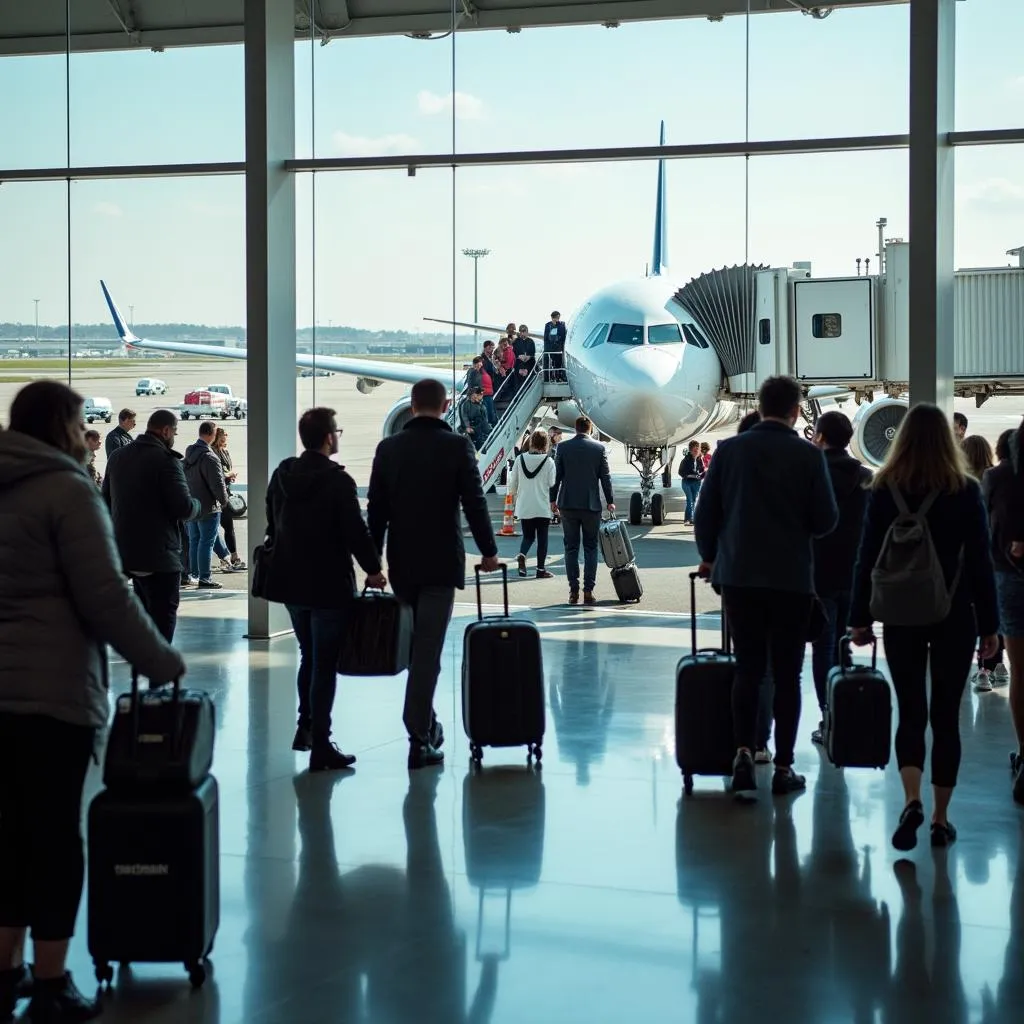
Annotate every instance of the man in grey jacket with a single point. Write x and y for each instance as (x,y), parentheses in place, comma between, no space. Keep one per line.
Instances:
(205,475)
(766,497)
(581,473)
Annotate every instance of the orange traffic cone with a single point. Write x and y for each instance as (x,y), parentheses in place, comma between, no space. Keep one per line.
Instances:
(508,527)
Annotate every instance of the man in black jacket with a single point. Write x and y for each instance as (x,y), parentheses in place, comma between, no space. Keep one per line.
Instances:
(835,554)
(120,437)
(525,350)
(205,475)
(554,346)
(420,477)
(312,500)
(148,497)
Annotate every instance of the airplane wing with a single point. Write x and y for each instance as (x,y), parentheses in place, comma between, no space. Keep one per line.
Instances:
(486,328)
(376,370)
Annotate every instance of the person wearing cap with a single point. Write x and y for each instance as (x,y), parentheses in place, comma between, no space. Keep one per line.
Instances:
(554,346)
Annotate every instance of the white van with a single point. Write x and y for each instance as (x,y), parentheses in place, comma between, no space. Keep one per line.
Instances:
(150,386)
(97,409)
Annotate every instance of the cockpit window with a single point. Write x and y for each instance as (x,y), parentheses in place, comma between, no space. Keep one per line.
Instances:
(693,335)
(626,334)
(663,334)
(596,336)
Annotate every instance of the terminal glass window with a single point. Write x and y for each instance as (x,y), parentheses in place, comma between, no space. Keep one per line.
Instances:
(626,334)
(827,325)
(664,334)
(596,336)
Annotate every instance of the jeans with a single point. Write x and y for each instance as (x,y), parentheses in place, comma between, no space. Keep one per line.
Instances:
(769,630)
(203,541)
(319,632)
(43,762)
(536,529)
(691,488)
(492,415)
(432,611)
(577,523)
(160,594)
(950,645)
(826,647)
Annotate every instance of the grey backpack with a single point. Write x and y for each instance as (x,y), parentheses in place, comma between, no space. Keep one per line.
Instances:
(908,586)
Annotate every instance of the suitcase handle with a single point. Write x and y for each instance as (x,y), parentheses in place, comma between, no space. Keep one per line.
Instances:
(508,925)
(846,652)
(479,590)
(176,698)
(726,639)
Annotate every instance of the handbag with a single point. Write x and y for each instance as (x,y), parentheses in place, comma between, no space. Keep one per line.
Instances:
(262,565)
(237,506)
(378,637)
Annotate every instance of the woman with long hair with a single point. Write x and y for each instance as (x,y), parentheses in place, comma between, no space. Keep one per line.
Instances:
(530,482)
(227,519)
(978,453)
(926,474)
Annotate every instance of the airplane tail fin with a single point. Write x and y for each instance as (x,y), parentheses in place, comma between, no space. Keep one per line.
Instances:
(659,255)
(126,334)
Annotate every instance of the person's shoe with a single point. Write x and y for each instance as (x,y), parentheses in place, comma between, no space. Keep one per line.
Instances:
(1000,675)
(303,739)
(818,736)
(588,597)
(436,737)
(330,759)
(574,597)
(943,834)
(543,574)
(687,522)
(1018,782)
(15,984)
(238,565)
(912,818)
(983,684)
(190,581)
(423,755)
(743,778)
(785,781)
(210,585)
(762,756)
(57,1001)
(226,566)
(521,559)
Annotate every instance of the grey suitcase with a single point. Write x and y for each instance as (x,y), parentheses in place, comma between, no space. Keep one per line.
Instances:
(628,588)
(616,547)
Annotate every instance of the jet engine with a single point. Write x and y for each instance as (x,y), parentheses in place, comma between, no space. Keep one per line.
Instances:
(874,428)
(364,385)
(398,415)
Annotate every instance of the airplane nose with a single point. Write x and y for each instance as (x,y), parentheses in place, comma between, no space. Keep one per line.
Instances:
(645,369)
(647,404)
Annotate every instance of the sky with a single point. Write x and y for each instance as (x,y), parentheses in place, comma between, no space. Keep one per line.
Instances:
(375,249)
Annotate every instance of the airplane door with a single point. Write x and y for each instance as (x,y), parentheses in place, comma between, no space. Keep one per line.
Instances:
(835,328)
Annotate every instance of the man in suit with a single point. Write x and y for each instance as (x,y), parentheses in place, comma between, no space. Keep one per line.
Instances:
(763,562)
(581,473)
(419,479)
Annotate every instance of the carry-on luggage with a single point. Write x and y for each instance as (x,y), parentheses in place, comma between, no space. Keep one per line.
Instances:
(160,739)
(616,547)
(704,733)
(502,681)
(378,636)
(154,879)
(628,587)
(858,718)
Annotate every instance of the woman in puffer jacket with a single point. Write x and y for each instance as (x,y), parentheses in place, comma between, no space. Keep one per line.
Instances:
(530,483)
(63,598)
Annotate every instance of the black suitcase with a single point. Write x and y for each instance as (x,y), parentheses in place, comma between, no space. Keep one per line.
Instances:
(705,744)
(160,739)
(858,718)
(154,879)
(502,681)
(378,636)
(628,588)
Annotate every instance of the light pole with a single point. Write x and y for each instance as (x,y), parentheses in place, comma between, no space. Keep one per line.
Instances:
(476,255)
(36,301)
(131,317)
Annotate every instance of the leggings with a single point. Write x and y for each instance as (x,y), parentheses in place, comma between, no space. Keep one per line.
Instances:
(227,523)
(951,644)
(536,529)
(43,763)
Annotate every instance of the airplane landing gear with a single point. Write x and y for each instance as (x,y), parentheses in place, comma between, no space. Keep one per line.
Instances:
(666,476)
(649,462)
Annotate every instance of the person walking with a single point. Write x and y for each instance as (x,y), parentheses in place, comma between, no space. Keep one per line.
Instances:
(835,553)
(311,496)
(581,474)
(205,475)
(148,498)
(925,476)
(63,598)
(763,561)
(227,518)
(554,347)
(120,436)
(420,478)
(691,473)
(530,482)
(93,444)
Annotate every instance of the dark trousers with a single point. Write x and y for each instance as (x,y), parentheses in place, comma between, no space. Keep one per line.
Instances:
(160,594)
(765,714)
(183,538)
(536,529)
(319,632)
(43,763)
(577,525)
(432,611)
(769,630)
(947,648)
(227,522)
(825,653)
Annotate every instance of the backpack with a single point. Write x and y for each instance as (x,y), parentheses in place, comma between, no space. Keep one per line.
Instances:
(908,586)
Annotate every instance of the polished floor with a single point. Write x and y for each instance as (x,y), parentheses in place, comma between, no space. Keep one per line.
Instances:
(587,892)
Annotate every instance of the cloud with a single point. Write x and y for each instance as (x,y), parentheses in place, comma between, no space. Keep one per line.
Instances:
(993,192)
(107,209)
(362,145)
(467,107)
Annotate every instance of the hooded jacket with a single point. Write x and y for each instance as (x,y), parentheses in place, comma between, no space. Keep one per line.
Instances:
(62,593)
(205,476)
(314,527)
(836,553)
(533,496)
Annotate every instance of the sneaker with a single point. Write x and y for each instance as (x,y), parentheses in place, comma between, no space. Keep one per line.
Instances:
(762,756)
(785,781)
(1000,675)
(521,559)
(57,1000)
(210,585)
(943,834)
(186,580)
(191,581)
(303,741)
(912,818)
(330,759)
(983,683)
(588,597)
(238,565)
(543,574)
(743,778)
(423,755)
(226,566)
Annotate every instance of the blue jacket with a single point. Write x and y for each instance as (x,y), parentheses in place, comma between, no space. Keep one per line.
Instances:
(554,336)
(958,525)
(766,497)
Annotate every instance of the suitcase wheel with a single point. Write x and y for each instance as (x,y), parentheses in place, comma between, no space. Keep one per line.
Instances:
(687,783)
(476,753)
(196,974)
(104,972)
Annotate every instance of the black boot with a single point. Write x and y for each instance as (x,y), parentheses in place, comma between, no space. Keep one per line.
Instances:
(57,1000)
(15,984)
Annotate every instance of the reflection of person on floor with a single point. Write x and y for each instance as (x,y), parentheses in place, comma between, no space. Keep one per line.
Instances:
(582,700)
(1007,1004)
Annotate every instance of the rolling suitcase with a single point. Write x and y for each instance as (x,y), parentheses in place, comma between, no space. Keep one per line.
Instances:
(154,879)
(628,587)
(160,739)
(704,734)
(616,547)
(858,718)
(502,681)
(378,636)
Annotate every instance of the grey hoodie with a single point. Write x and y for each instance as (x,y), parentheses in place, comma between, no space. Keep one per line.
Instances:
(205,475)
(62,594)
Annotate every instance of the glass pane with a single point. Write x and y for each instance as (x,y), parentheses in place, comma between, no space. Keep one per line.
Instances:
(34,128)
(664,334)
(989,75)
(626,334)
(989,205)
